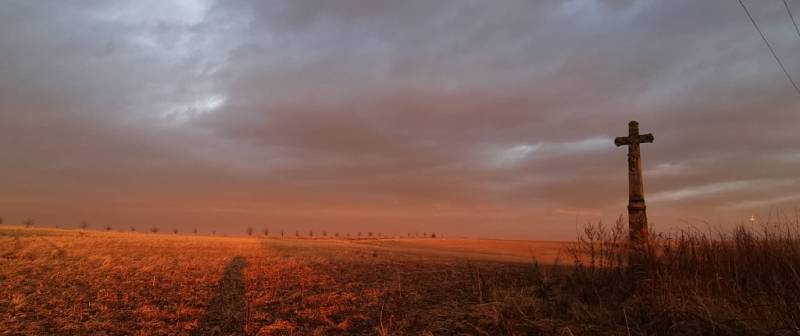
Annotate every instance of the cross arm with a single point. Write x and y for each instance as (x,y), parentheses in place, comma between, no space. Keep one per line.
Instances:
(621,141)
(644,138)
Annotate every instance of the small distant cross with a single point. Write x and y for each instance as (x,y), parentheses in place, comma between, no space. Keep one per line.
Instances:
(637,216)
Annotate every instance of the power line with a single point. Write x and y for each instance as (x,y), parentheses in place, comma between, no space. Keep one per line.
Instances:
(796,88)
(786,3)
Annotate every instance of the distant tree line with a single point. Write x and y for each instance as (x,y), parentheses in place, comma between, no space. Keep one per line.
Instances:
(84,225)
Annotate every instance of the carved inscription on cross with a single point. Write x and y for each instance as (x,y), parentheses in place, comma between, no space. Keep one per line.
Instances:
(637,216)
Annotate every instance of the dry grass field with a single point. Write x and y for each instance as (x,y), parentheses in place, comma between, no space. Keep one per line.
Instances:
(108,283)
(71,282)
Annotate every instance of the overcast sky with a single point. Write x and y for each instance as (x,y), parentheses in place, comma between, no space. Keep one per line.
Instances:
(476,118)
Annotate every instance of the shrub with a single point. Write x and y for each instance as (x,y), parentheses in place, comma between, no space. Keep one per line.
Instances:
(744,281)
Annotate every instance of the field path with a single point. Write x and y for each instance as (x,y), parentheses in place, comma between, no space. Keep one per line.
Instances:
(226,313)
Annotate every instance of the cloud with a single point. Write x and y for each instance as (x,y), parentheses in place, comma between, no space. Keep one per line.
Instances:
(477,118)
(546,150)
(717,188)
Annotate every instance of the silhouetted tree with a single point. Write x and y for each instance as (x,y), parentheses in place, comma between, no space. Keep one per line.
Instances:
(175,231)
(194,231)
(282,233)
(108,227)
(249,230)
(311,233)
(266,231)
(297,233)
(84,225)
(132,228)
(433,235)
(154,229)
(28,222)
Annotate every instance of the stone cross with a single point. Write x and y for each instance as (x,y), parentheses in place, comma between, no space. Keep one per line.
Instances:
(637,217)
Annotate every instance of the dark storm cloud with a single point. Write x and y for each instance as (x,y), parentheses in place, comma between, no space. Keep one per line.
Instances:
(468,117)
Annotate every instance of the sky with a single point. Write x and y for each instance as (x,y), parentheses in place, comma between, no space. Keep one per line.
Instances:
(466,118)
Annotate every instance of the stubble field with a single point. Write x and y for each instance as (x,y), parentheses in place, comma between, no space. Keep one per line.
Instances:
(71,282)
(112,283)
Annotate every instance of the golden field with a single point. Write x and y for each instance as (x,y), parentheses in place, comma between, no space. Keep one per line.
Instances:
(55,281)
(73,282)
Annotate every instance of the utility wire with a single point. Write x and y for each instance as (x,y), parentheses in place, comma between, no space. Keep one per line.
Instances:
(786,3)
(796,88)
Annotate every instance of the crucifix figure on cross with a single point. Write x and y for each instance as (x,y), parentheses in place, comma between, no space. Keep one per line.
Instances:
(637,217)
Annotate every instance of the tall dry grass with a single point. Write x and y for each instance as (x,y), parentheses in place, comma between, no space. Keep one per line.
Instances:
(744,281)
